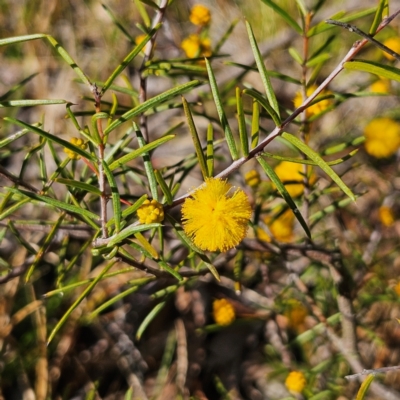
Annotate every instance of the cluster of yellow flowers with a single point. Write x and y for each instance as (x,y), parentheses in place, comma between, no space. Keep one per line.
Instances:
(296,382)
(315,109)
(151,211)
(198,45)
(394,44)
(223,312)
(382,137)
(78,142)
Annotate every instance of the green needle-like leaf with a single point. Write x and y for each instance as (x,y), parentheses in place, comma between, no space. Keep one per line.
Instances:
(30,103)
(385,71)
(210,150)
(319,161)
(130,231)
(136,153)
(79,185)
(196,140)
(153,102)
(150,316)
(116,201)
(264,103)
(51,137)
(244,140)
(284,193)
(289,20)
(263,73)
(221,113)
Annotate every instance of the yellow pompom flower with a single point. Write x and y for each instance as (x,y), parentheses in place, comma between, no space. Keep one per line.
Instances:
(282,227)
(386,216)
(380,86)
(382,137)
(292,172)
(394,44)
(223,312)
(295,382)
(78,142)
(200,15)
(151,211)
(314,109)
(252,178)
(215,217)
(194,46)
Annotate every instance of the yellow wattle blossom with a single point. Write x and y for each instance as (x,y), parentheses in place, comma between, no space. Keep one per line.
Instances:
(394,44)
(223,312)
(386,216)
(382,137)
(151,211)
(194,46)
(200,15)
(252,178)
(295,382)
(293,172)
(380,86)
(314,109)
(78,142)
(282,227)
(216,217)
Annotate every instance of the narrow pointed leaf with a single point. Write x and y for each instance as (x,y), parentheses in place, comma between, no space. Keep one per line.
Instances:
(289,20)
(130,231)
(210,150)
(146,245)
(148,166)
(130,210)
(51,137)
(255,124)
(128,59)
(364,387)
(166,267)
(385,71)
(149,318)
(20,39)
(221,113)
(319,161)
(84,294)
(136,153)
(30,103)
(196,140)
(86,187)
(164,187)
(264,103)
(244,140)
(6,141)
(153,102)
(55,203)
(116,201)
(284,193)
(378,16)
(263,72)
(118,24)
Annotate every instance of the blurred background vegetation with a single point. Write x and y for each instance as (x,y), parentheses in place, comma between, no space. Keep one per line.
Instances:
(289,317)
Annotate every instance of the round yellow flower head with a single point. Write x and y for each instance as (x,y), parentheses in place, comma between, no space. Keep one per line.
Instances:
(382,137)
(282,227)
(394,44)
(151,211)
(295,382)
(78,142)
(292,172)
(215,217)
(252,178)
(194,46)
(386,216)
(223,312)
(200,15)
(380,86)
(314,109)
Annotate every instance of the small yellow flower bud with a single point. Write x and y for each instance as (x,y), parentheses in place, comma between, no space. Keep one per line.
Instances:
(394,44)
(200,15)
(295,382)
(151,211)
(194,46)
(78,142)
(386,216)
(223,312)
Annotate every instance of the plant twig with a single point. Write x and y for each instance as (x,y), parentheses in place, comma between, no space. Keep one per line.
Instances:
(373,371)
